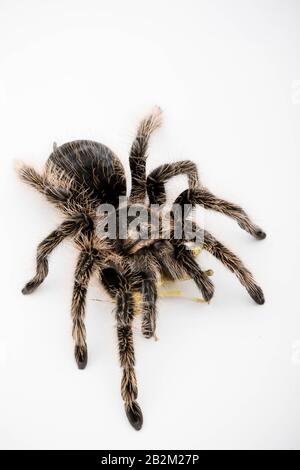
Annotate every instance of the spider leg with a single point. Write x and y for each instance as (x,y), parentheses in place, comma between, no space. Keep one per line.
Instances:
(84,269)
(69,227)
(203,197)
(157,179)
(56,195)
(231,261)
(235,265)
(59,188)
(147,288)
(118,287)
(187,261)
(138,155)
(129,389)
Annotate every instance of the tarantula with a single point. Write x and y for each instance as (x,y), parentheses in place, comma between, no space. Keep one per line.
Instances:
(81,175)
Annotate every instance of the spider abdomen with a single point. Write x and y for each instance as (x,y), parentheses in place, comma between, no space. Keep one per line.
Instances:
(93,167)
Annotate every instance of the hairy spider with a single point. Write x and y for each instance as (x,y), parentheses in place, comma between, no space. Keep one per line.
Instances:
(80,176)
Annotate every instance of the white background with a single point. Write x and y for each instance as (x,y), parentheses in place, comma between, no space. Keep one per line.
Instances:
(227,75)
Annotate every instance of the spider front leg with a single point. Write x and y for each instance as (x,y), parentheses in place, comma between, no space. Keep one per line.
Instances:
(118,287)
(231,261)
(235,265)
(67,228)
(157,179)
(84,269)
(203,197)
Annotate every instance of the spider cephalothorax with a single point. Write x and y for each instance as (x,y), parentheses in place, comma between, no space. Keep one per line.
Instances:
(80,177)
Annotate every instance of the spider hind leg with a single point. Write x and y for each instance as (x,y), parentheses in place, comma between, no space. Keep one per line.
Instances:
(209,201)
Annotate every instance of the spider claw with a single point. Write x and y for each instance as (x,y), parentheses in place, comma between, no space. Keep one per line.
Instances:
(147,334)
(81,356)
(208,296)
(134,415)
(148,328)
(257,294)
(207,290)
(28,288)
(147,331)
(260,234)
